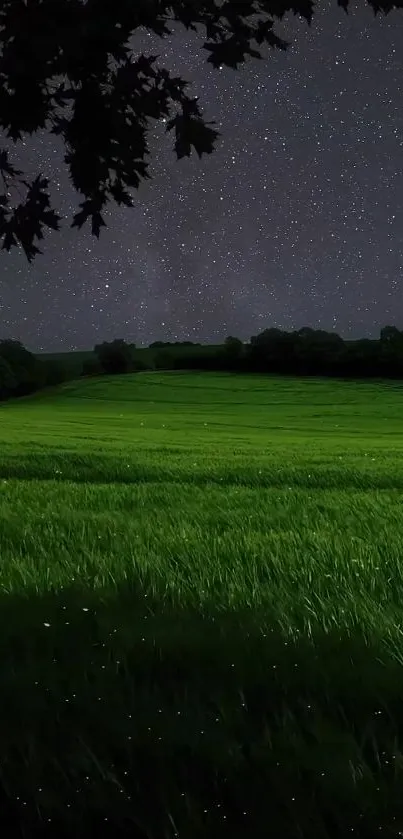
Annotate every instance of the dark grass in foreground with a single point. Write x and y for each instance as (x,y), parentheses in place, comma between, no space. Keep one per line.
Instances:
(123,715)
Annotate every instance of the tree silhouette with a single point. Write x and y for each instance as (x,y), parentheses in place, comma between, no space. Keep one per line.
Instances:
(66,67)
(115,357)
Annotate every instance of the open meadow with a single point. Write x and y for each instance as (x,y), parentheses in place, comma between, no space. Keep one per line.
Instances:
(201,608)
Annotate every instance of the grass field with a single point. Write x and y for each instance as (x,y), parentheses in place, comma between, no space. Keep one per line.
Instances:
(201,620)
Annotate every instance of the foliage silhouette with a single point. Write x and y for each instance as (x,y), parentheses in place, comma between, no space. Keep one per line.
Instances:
(67,68)
(92,367)
(115,357)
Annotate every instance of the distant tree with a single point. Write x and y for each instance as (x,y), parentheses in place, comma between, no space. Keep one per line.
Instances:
(8,380)
(362,359)
(390,335)
(140,365)
(273,350)
(66,68)
(306,333)
(234,346)
(15,352)
(156,345)
(29,371)
(55,372)
(164,360)
(317,350)
(391,345)
(92,367)
(114,357)
(232,352)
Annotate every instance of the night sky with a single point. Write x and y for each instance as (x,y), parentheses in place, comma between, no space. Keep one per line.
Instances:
(295,220)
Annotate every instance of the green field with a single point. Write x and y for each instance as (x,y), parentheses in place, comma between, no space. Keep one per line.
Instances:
(201,608)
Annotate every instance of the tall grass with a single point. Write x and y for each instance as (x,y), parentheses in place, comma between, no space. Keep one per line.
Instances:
(201,608)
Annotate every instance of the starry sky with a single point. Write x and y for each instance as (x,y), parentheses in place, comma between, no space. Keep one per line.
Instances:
(295,220)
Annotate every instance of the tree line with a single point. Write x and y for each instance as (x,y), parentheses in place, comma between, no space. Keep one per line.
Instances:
(305,352)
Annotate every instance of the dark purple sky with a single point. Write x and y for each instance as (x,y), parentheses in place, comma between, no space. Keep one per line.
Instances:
(295,220)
